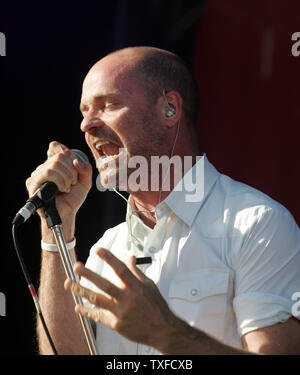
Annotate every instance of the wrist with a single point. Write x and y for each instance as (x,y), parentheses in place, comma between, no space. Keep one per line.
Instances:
(54,248)
(67,227)
(177,337)
(181,339)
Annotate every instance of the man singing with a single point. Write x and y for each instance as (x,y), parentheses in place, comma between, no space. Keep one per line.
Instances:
(225,261)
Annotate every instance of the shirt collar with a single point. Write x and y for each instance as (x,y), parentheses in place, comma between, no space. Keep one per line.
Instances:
(185,200)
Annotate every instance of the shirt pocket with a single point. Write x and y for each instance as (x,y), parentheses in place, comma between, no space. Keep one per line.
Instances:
(200,298)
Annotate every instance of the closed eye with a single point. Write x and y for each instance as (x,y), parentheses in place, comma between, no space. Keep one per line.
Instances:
(110,106)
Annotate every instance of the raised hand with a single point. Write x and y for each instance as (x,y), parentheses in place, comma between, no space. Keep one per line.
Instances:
(136,310)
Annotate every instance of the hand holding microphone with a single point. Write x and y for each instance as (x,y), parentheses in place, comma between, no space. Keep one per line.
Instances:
(65,176)
(66,173)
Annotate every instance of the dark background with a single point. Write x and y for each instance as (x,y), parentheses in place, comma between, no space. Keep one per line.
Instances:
(240,52)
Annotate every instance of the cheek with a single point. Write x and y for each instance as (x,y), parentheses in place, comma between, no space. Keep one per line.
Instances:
(122,126)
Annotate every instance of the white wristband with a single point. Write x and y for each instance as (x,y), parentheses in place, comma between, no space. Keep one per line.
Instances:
(53,247)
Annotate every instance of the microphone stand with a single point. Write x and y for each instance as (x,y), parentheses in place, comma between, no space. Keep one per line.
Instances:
(54,223)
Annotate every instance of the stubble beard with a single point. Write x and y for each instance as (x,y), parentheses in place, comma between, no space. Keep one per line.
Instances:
(151,140)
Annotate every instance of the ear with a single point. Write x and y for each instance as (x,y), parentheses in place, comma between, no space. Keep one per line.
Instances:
(171,107)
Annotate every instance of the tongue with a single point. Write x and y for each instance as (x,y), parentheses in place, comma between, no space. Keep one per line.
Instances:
(110,149)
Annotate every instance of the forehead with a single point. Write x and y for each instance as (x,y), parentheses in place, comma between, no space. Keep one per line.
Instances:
(107,77)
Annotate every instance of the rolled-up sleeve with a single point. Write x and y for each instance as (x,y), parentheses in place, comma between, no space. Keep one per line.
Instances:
(267,270)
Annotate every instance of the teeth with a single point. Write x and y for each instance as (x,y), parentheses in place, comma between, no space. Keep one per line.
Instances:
(100,144)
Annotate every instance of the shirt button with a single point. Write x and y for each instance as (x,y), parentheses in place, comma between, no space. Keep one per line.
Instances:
(151,249)
(194,292)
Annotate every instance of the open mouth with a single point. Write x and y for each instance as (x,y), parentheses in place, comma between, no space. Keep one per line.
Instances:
(106,148)
(110,158)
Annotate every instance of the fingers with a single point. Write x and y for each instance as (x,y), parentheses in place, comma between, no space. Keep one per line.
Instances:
(55,148)
(103,284)
(131,311)
(98,315)
(85,171)
(131,280)
(58,168)
(88,312)
(119,267)
(94,298)
(135,270)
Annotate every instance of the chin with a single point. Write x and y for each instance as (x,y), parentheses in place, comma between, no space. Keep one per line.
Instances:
(110,179)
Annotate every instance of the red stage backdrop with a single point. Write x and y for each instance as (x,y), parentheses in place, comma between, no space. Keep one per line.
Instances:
(250,84)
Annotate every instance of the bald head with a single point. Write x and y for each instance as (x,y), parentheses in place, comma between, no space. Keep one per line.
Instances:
(154,70)
(130,56)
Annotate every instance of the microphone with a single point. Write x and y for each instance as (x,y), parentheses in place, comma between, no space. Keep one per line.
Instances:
(44,194)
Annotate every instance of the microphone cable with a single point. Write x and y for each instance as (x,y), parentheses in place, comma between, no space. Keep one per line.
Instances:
(31,287)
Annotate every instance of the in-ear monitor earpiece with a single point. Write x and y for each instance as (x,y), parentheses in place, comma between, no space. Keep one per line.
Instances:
(170,111)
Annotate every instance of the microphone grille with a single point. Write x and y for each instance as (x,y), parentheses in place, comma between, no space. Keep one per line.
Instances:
(81,156)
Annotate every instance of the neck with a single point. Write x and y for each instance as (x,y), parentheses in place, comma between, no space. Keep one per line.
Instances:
(146,201)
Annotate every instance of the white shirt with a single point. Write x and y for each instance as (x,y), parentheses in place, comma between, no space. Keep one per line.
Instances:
(227,264)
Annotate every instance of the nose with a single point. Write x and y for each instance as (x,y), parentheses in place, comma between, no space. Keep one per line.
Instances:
(90,121)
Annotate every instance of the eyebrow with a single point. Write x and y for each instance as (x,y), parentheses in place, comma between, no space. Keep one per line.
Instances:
(98,98)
